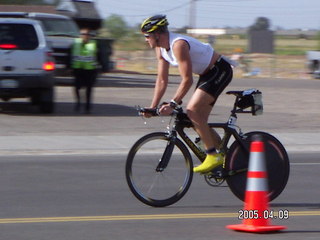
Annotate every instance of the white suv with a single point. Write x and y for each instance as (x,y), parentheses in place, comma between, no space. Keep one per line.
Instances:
(26,64)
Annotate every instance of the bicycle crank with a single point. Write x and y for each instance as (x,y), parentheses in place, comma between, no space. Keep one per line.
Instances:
(213,181)
(216,177)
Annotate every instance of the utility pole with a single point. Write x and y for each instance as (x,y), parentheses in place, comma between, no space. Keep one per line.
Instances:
(192,14)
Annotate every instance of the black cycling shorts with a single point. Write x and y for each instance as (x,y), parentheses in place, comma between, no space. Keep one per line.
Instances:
(216,79)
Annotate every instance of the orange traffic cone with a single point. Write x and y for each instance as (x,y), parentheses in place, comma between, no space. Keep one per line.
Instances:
(256,210)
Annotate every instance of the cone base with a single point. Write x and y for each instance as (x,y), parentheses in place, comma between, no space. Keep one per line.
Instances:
(257,229)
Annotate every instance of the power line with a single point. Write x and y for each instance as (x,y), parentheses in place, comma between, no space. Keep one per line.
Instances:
(153,13)
(220,12)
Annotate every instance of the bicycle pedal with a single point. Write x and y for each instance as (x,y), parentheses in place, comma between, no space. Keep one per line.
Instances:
(219,172)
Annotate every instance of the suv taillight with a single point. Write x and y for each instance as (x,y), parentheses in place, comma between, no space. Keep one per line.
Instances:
(8,46)
(49,65)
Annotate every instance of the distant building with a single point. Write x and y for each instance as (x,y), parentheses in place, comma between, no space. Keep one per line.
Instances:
(297,32)
(303,33)
(207,31)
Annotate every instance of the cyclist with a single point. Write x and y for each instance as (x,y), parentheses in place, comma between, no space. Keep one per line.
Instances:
(191,56)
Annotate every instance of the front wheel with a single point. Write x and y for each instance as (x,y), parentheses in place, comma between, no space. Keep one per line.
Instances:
(277,163)
(151,185)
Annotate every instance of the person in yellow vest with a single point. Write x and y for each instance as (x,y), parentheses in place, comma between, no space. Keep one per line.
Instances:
(84,63)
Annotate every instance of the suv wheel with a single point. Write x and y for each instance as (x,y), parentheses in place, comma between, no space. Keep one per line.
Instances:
(46,103)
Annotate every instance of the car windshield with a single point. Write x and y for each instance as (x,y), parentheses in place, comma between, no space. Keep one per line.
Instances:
(18,36)
(59,27)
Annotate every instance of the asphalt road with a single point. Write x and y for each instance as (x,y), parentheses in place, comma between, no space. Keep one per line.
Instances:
(62,175)
(86,197)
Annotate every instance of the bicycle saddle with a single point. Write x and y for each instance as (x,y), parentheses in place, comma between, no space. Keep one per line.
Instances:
(236,93)
(243,93)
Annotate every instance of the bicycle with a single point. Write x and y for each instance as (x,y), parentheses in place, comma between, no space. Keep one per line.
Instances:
(159,166)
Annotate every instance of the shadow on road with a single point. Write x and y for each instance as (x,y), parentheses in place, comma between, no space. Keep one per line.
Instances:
(117,82)
(67,109)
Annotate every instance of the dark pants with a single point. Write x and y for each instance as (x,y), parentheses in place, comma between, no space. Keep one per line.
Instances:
(84,78)
(217,79)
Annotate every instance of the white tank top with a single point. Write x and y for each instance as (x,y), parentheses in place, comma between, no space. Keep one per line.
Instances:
(200,53)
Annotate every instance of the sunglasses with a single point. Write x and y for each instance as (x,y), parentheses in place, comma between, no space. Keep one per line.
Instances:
(147,35)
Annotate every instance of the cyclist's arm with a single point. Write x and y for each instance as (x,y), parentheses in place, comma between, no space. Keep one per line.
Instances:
(162,79)
(181,52)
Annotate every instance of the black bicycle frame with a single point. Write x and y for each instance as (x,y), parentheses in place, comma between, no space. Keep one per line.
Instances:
(223,146)
(182,121)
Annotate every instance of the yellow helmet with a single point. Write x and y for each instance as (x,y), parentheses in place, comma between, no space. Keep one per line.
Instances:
(154,23)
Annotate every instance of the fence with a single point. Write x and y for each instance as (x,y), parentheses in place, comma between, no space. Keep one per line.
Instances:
(251,65)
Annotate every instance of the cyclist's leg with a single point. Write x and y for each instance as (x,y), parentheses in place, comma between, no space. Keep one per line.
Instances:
(209,87)
(198,111)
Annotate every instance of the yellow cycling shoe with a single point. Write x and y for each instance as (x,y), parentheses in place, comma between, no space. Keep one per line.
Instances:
(211,162)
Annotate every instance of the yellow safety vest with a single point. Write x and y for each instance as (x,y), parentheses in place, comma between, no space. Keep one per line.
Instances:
(84,55)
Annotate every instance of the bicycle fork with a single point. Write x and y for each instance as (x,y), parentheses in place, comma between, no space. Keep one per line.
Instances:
(166,156)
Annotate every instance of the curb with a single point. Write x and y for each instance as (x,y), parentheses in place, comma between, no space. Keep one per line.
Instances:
(101,145)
